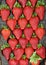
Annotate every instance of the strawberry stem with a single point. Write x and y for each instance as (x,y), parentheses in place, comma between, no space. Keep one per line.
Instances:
(23,36)
(39,45)
(28,3)
(18,46)
(4,6)
(41,25)
(24,57)
(28,45)
(17,5)
(34,14)
(33,35)
(12,56)
(5,45)
(22,16)
(28,25)
(12,36)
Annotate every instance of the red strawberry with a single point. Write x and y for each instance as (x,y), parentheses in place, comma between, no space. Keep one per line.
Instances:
(23,62)
(29,51)
(34,21)
(6,52)
(17,10)
(17,33)
(28,12)
(23,42)
(34,42)
(38,62)
(22,23)
(13,62)
(41,52)
(22,2)
(11,23)
(18,53)
(5,33)
(40,32)
(33,2)
(0,12)
(12,43)
(28,32)
(10,3)
(40,12)
(4,14)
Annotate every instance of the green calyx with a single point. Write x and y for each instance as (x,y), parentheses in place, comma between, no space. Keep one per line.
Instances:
(18,46)
(33,35)
(28,45)
(4,27)
(40,2)
(4,6)
(17,26)
(34,58)
(12,56)
(23,36)
(22,16)
(5,45)
(39,46)
(24,57)
(10,17)
(34,14)
(28,3)
(28,26)
(41,26)
(17,5)
(12,36)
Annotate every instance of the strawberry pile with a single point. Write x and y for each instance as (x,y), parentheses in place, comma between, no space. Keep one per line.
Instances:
(23,31)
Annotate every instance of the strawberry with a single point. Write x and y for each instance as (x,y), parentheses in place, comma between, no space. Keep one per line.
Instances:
(28,33)
(40,12)
(18,53)
(22,2)
(17,10)
(11,23)
(23,62)
(13,62)
(34,42)
(41,51)
(17,33)
(4,12)
(28,12)
(40,32)
(29,51)
(33,2)
(0,12)
(23,42)
(5,33)
(6,50)
(22,23)
(34,21)
(10,3)
(12,42)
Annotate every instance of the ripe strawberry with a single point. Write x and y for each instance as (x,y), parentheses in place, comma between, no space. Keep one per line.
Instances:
(5,33)
(41,52)
(18,53)
(6,52)
(10,3)
(23,62)
(28,32)
(23,42)
(40,32)
(4,12)
(22,2)
(40,12)
(17,33)
(17,10)
(34,21)
(29,51)
(0,12)
(38,62)
(22,23)
(33,2)
(11,23)
(13,62)
(28,12)
(34,42)
(12,43)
